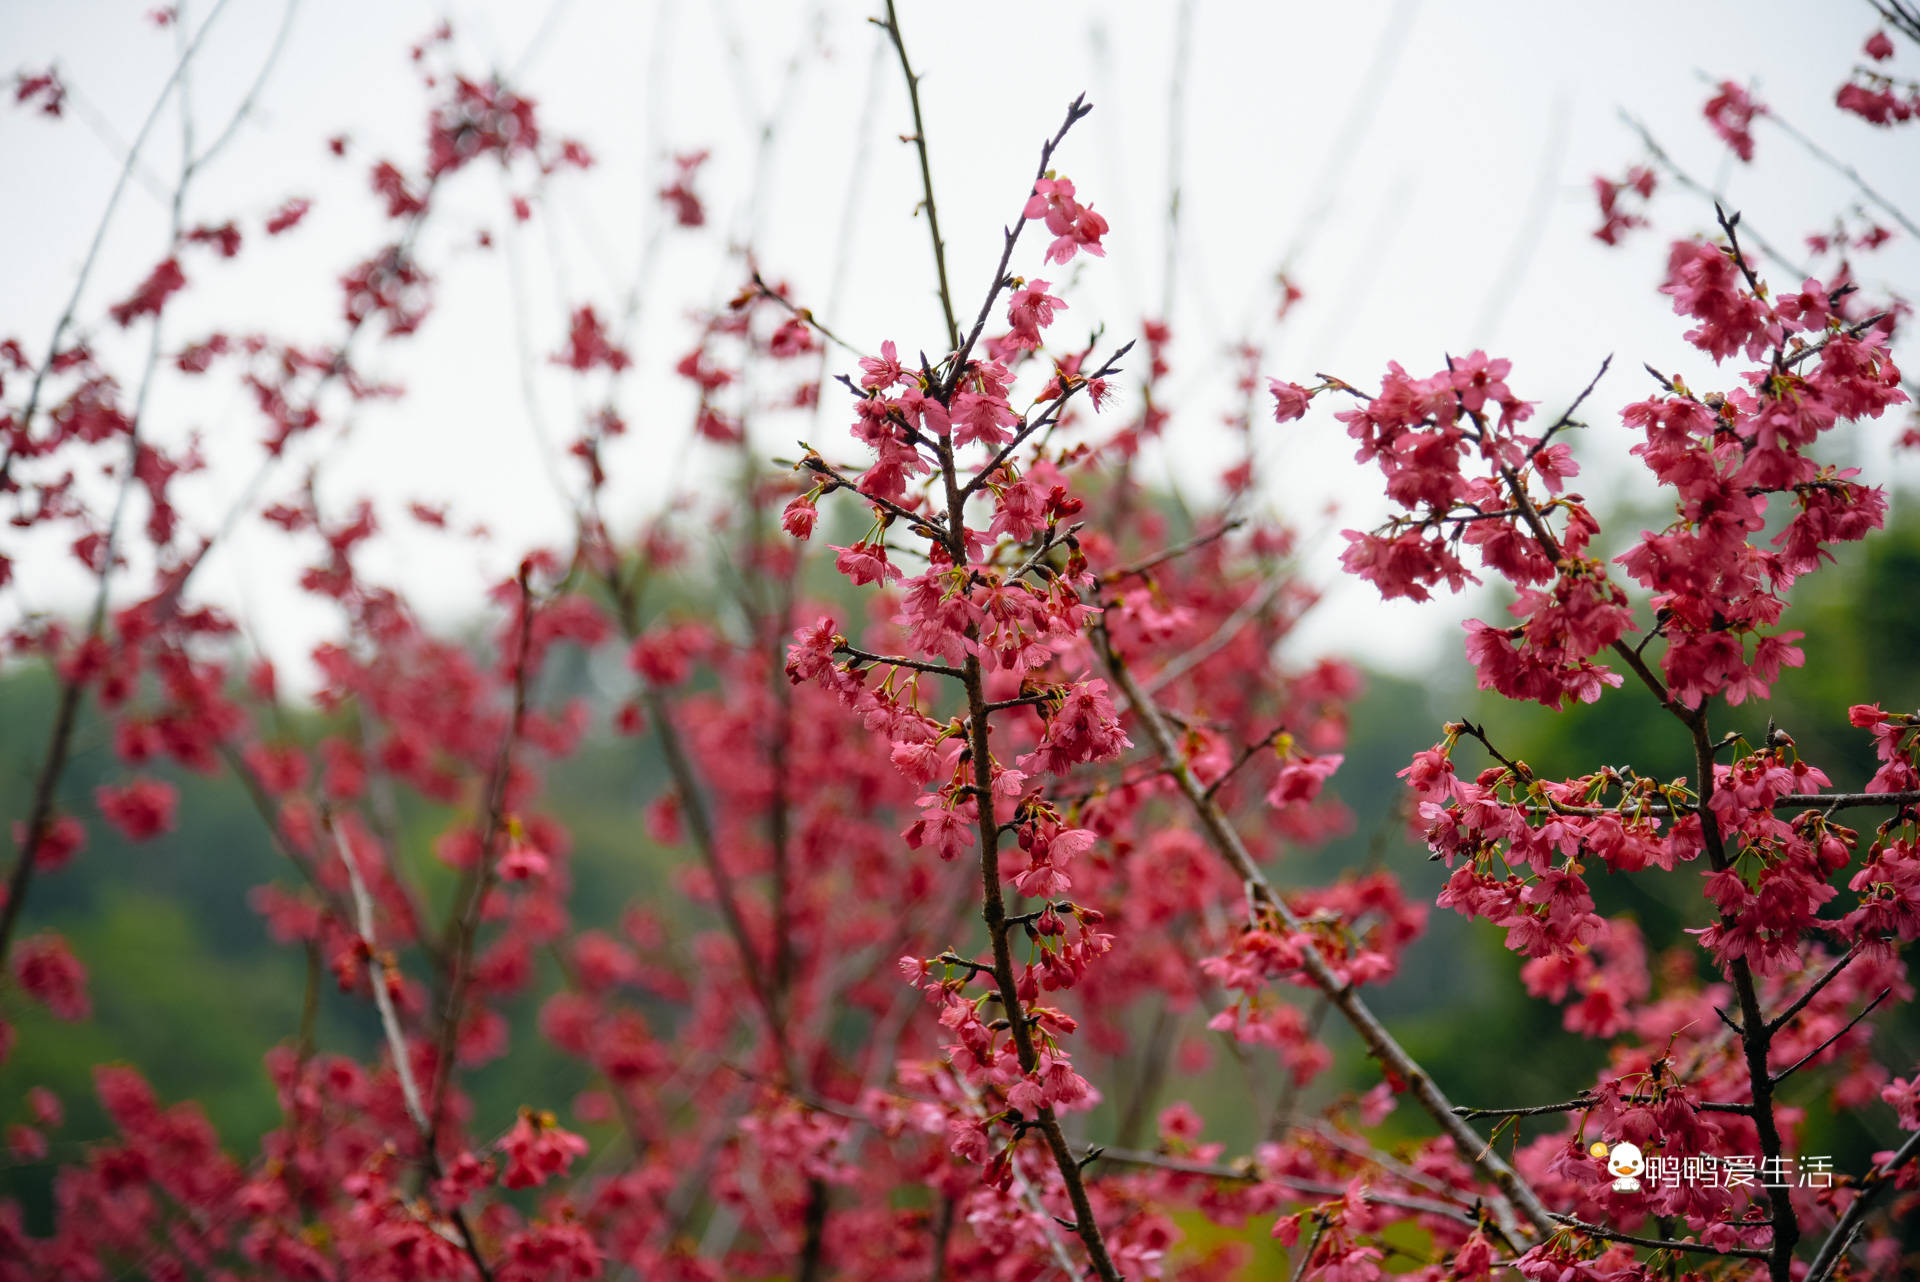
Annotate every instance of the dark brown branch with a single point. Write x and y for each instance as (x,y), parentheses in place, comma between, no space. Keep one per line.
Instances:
(1566,419)
(1053,538)
(819,466)
(1587,1101)
(1804,1060)
(1011,236)
(1755,1037)
(1392,1056)
(1179,549)
(898,661)
(53,764)
(1851,331)
(1246,1173)
(892,26)
(1247,754)
(1828,1257)
(1046,418)
(462,927)
(40,813)
(813,1249)
(1658,1243)
(942,1233)
(993,902)
(65,322)
(1543,535)
(1792,801)
(1779,1021)
(804,315)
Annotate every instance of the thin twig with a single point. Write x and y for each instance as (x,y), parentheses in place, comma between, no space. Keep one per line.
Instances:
(1802,1062)
(1842,168)
(65,321)
(1657,1243)
(464,925)
(1011,236)
(379,979)
(1046,418)
(892,25)
(1246,1172)
(1179,549)
(382,977)
(53,763)
(1681,176)
(1779,1021)
(1470,1146)
(897,661)
(1566,419)
(1255,605)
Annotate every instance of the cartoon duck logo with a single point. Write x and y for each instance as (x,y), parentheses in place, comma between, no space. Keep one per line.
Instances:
(1624,1163)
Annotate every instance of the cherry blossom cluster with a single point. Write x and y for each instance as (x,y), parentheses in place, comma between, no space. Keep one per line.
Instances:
(1801,919)
(1870,92)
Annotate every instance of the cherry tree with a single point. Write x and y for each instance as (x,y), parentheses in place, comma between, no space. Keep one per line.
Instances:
(962,811)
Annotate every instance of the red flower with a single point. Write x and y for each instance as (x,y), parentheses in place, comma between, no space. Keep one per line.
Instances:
(1300,780)
(679,195)
(1075,226)
(587,345)
(64,838)
(865,563)
(1731,111)
(288,215)
(162,283)
(52,976)
(1030,309)
(46,87)
(141,809)
(1289,400)
(798,516)
(537,1149)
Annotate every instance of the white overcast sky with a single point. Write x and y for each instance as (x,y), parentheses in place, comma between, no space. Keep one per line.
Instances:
(1427,164)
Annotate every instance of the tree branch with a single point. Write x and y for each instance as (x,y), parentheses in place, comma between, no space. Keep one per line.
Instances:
(1804,1060)
(1828,1257)
(892,25)
(1245,1172)
(1226,842)
(1657,1243)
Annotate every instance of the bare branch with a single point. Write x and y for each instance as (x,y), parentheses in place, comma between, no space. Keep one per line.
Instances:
(1245,1172)
(1831,1250)
(1799,1003)
(1179,549)
(892,25)
(1658,1243)
(1804,1060)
